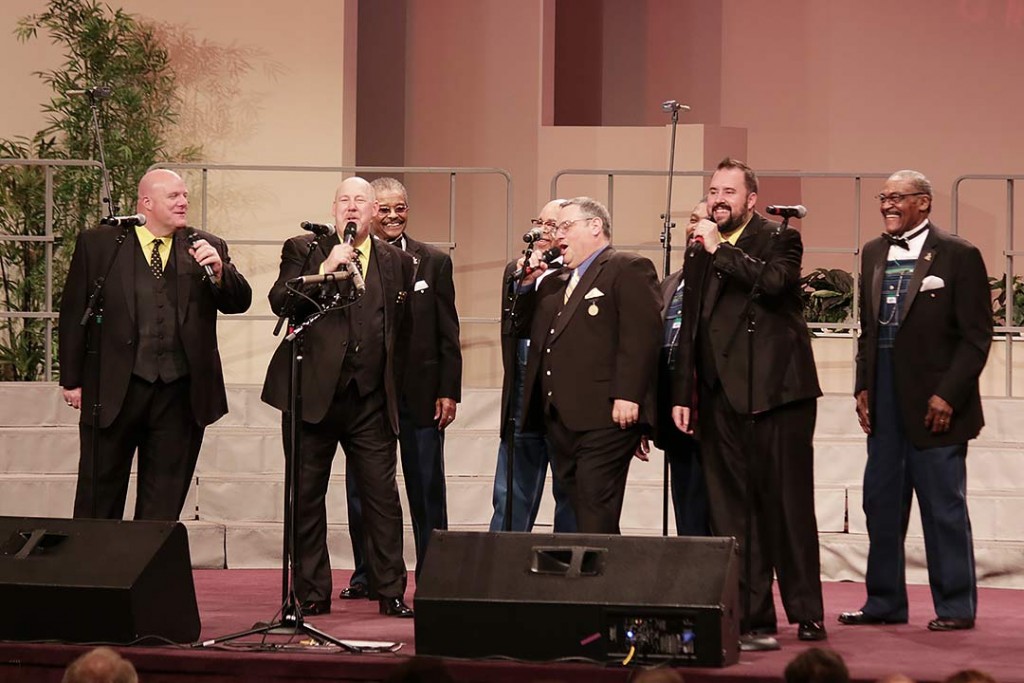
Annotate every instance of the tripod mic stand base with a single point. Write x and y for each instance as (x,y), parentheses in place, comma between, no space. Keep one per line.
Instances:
(755,642)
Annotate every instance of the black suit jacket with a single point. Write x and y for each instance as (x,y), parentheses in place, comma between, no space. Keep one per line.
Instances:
(944,336)
(600,348)
(198,304)
(715,296)
(435,355)
(323,349)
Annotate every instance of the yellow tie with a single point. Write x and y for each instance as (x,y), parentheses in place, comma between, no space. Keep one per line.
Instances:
(573,281)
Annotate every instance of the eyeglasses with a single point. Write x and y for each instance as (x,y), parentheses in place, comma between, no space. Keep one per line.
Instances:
(564,226)
(400,209)
(897,197)
(546,226)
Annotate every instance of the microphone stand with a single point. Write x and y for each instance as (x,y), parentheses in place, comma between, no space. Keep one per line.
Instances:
(292,622)
(750,642)
(94,308)
(673,107)
(515,283)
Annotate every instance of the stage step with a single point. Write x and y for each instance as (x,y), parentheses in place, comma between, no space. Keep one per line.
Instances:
(235,501)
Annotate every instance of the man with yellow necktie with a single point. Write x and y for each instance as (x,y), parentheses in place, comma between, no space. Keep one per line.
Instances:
(594,329)
(156,376)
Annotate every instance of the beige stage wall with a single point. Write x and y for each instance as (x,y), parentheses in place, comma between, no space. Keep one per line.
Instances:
(816,85)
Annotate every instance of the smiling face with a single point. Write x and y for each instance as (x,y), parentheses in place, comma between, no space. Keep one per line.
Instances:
(392,214)
(548,219)
(163,200)
(699,213)
(355,201)
(906,213)
(729,200)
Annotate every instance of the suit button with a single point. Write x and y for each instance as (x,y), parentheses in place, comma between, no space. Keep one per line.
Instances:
(547,350)
(548,373)
(130,342)
(552,331)
(549,393)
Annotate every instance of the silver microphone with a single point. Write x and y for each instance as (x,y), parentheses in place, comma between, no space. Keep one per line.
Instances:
(100,92)
(798,211)
(318,229)
(319,279)
(124,221)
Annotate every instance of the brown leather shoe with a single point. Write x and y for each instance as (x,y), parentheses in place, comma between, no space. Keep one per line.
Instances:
(950,624)
(859,618)
(395,607)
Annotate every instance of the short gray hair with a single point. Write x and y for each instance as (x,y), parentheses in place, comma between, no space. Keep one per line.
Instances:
(389,184)
(916,178)
(592,208)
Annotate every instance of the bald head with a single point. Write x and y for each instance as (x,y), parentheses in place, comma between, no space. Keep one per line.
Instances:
(355,201)
(101,665)
(163,200)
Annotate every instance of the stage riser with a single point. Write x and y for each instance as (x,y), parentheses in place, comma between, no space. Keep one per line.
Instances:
(236,496)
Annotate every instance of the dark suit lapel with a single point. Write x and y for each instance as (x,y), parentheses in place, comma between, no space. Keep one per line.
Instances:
(386,267)
(668,290)
(183,264)
(582,288)
(921,268)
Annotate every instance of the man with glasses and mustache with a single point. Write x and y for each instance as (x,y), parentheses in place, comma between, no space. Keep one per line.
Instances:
(430,392)
(743,251)
(530,456)
(594,330)
(926,328)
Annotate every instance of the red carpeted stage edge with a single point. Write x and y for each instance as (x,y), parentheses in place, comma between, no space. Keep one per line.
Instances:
(233,600)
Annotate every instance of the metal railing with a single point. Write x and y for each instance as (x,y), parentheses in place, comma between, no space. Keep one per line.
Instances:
(47,238)
(451,171)
(1009,331)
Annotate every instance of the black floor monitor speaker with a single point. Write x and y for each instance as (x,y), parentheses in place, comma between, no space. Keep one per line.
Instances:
(84,580)
(601,597)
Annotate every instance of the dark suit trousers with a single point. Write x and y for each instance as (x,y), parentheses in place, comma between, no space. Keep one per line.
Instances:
(591,467)
(157,420)
(360,425)
(422,450)
(895,470)
(784,534)
(529,469)
(689,493)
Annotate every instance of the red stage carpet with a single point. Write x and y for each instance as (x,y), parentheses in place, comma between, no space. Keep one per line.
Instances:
(232,600)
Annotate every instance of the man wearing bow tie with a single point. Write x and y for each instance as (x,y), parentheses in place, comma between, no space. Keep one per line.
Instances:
(926,328)
(595,330)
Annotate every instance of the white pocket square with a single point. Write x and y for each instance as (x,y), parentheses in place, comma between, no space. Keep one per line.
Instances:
(932,282)
(420,286)
(594,293)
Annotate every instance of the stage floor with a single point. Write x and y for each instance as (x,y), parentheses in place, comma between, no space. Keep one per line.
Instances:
(233,600)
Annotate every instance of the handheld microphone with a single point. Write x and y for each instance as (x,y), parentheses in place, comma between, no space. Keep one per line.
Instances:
(192,236)
(798,211)
(548,256)
(532,236)
(100,92)
(357,278)
(318,229)
(124,221)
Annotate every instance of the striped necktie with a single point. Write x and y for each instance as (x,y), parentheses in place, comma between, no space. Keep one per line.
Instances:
(573,281)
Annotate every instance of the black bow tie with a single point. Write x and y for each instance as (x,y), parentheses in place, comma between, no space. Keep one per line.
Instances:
(896,241)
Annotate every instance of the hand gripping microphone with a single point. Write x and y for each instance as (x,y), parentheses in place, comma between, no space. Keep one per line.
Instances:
(548,257)
(192,238)
(353,269)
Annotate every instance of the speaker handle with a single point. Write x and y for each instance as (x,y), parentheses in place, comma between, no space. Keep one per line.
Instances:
(570,561)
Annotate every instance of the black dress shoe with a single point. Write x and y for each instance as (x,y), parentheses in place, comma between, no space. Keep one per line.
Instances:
(811,630)
(395,607)
(312,608)
(859,618)
(357,591)
(950,624)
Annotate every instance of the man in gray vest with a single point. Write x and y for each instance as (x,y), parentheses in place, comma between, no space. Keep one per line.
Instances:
(145,370)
